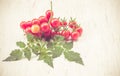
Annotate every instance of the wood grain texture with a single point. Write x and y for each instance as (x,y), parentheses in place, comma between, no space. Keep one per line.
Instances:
(99,45)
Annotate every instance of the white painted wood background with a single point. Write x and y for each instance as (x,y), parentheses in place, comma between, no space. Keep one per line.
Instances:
(99,45)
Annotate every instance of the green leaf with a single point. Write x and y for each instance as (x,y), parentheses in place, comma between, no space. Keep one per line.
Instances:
(16,54)
(62,43)
(73,56)
(57,51)
(36,52)
(50,45)
(68,45)
(41,56)
(59,38)
(10,58)
(48,60)
(36,49)
(27,53)
(30,37)
(20,44)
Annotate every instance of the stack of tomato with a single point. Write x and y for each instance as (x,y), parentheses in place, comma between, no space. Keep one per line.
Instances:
(47,27)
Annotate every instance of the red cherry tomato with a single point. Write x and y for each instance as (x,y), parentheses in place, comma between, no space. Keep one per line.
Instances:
(35,21)
(37,34)
(49,14)
(43,19)
(58,33)
(80,30)
(29,23)
(61,23)
(75,35)
(45,27)
(53,33)
(23,25)
(66,33)
(64,23)
(48,33)
(72,24)
(28,30)
(55,23)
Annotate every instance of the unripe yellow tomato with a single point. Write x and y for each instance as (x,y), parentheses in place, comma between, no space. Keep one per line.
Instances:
(35,28)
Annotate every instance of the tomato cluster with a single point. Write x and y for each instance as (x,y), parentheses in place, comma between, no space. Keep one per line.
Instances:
(47,27)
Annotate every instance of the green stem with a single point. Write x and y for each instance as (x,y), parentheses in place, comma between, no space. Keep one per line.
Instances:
(51,10)
(51,5)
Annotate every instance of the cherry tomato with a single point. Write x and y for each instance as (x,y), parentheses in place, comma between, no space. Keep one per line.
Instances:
(49,14)
(58,33)
(72,24)
(53,33)
(28,30)
(61,23)
(35,28)
(64,23)
(23,25)
(55,23)
(80,30)
(37,34)
(66,33)
(35,21)
(75,35)
(48,33)
(29,23)
(45,27)
(42,19)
